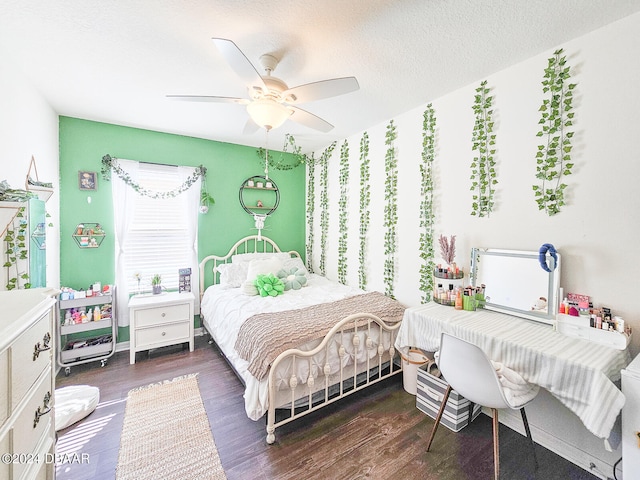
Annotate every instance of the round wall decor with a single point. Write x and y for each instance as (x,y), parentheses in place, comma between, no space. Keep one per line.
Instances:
(259,195)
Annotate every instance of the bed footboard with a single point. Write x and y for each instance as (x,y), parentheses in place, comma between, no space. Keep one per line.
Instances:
(326,387)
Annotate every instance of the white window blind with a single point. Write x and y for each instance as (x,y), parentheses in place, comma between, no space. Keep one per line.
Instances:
(158,238)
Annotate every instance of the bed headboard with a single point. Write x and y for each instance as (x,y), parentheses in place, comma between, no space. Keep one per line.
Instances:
(249,244)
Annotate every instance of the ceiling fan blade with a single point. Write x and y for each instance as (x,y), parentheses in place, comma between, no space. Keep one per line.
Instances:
(310,120)
(319,90)
(250,127)
(208,98)
(239,62)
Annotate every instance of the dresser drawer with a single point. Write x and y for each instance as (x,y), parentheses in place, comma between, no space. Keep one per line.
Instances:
(4,388)
(4,448)
(161,314)
(30,355)
(27,432)
(162,334)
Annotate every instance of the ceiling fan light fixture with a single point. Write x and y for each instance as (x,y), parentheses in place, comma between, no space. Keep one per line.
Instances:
(269,114)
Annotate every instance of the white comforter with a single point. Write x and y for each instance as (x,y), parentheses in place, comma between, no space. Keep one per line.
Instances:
(225,309)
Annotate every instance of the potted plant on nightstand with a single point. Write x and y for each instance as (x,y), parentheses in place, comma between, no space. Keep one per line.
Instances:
(156,284)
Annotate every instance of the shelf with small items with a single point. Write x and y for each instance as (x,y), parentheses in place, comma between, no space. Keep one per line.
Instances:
(250,195)
(82,312)
(454,276)
(88,235)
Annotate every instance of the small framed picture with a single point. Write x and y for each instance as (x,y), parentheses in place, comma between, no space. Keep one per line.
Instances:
(87,180)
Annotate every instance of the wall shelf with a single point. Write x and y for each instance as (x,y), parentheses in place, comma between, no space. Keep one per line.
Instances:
(43,190)
(256,196)
(88,235)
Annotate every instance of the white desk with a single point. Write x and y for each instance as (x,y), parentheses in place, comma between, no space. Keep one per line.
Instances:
(579,373)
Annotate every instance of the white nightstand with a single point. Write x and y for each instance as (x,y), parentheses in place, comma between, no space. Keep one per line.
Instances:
(160,320)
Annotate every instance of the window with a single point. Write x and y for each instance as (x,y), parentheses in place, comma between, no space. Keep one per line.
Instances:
(153,235)
(158,239)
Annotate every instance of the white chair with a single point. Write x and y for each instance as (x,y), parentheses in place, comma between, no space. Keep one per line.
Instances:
(466,369)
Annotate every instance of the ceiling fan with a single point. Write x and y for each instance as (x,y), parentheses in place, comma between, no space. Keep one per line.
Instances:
(271,102)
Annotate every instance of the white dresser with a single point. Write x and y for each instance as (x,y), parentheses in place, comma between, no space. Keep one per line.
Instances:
(27,431)
(160,320)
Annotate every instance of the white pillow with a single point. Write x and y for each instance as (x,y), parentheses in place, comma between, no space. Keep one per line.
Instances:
(247,257)
(263,266)
(73,403)
(294,262)
(233,275)
(249,288)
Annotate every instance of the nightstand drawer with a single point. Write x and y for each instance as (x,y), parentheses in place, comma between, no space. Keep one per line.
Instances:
(30,355)
(161,314)
(162,334)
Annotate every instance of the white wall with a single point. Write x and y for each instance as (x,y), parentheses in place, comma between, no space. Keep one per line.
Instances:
(29,127)
(596,232)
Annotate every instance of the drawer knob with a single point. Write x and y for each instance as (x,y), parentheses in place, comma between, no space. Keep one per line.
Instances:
(163,314)
(41,411)
(164,333)
(45,346)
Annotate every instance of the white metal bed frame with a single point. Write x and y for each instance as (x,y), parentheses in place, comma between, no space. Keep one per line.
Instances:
(351,378)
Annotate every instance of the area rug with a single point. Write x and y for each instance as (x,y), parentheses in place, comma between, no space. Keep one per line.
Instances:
(166,434)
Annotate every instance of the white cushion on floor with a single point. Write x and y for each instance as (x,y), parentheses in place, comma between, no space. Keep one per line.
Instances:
(73,403)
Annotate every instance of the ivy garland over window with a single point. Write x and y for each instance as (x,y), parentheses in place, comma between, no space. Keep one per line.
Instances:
(311,203)
(365,197)
(426,204)
(483,172)
(110,164)
(342,212)
(324,205)
(390,210)
(553,159)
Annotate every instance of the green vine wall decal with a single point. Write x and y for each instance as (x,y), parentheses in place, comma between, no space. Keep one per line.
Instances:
(483,171)
(311,203)
(390,209)
(17,252)
(342,212)
(426,204)
(324,205)
(553,158)
(365,197)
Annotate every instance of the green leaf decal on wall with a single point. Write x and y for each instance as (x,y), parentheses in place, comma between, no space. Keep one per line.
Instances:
(553,158)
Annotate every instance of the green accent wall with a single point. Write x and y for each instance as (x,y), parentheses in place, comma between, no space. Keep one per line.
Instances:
(83,144)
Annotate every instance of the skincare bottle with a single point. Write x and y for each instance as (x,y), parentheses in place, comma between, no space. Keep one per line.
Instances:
(458,300)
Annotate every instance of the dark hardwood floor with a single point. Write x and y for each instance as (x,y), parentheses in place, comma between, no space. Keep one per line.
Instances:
(375,434)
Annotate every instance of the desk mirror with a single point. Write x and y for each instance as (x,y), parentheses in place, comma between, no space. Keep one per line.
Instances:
(515,282)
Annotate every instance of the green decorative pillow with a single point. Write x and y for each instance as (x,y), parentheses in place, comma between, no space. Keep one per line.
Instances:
(293,278)
(269,285)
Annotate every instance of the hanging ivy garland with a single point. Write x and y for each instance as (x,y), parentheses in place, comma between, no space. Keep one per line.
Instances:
(311,203)
(110,164)
(324,205)
(390,210)
(299,157)
(553,158)
(342,212)
(426,204)
(17,252)
(483,172)
(365,196)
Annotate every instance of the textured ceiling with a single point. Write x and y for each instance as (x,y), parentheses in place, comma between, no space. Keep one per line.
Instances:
(114,61)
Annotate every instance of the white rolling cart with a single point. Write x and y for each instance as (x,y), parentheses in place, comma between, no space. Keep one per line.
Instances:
(91,348)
